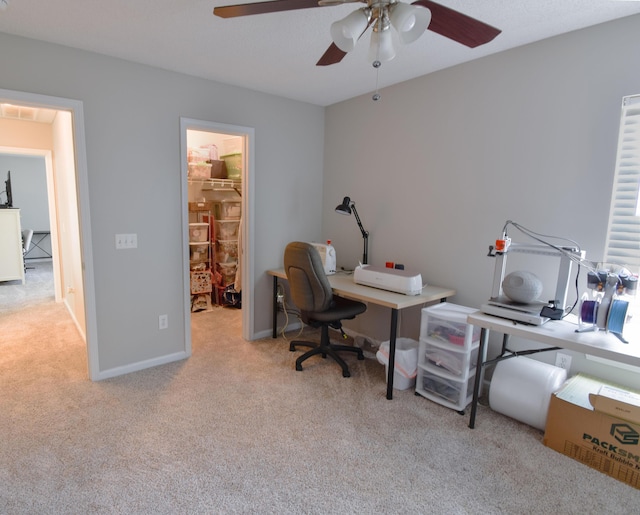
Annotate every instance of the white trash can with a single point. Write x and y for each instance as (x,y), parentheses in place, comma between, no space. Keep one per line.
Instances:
(406,363)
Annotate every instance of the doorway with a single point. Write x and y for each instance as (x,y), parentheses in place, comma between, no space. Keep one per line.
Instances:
(67,187)
(217,195)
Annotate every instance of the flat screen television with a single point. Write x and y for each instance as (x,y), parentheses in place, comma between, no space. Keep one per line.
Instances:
(7,192)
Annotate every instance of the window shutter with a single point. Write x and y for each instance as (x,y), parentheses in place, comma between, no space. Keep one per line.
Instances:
(623,234)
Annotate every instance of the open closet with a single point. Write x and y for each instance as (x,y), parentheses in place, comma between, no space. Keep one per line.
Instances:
(214,172)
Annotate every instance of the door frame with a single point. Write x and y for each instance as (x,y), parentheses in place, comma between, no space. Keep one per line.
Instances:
(75,107)
(45,154)
(247,233)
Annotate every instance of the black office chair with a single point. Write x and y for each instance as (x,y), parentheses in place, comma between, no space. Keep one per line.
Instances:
(319,307)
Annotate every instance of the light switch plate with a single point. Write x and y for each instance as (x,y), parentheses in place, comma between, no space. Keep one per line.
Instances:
(126,241)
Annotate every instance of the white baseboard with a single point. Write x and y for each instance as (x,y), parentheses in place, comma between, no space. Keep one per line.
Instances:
(141,365)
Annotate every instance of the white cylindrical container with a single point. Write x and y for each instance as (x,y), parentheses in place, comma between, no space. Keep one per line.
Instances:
(521,388)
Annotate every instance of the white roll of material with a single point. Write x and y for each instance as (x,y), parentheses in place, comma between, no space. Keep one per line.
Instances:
(521,388)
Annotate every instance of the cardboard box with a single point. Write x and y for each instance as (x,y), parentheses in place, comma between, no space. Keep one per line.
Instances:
(581,430)
(617,402)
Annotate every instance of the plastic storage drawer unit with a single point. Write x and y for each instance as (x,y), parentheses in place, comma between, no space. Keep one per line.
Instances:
(448,355)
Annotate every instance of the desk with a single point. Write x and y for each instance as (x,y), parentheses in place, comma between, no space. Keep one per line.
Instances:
(556,333)
(344,286)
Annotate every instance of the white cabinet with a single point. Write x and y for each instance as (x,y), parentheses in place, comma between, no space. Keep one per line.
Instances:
(11,259)
(447,355)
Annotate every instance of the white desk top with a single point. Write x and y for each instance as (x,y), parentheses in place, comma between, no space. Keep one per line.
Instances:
(561,333)
(343,285)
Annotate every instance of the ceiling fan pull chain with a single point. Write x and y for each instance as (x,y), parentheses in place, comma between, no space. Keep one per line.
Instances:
(376,65)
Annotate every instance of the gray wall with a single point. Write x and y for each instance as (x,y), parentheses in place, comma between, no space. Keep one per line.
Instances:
(28,187)
(439,164)
(132,116)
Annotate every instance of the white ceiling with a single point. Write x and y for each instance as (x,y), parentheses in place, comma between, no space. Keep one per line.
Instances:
(276,53)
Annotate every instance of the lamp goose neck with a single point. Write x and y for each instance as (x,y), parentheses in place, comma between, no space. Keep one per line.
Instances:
(365,235)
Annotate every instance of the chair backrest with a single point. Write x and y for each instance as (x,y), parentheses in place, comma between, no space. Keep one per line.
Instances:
(27,236)
(310,288)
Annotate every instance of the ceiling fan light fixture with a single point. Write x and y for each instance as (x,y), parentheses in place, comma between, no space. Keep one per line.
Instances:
(410,21)
(381,48)
(345,32)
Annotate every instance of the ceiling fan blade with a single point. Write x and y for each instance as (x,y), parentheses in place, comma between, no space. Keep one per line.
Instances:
(333,55)
(232,11)
(457,26)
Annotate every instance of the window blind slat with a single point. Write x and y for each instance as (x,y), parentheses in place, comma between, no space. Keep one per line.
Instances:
(623,234)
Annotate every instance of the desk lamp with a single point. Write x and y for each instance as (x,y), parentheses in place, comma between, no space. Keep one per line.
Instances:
(346,208)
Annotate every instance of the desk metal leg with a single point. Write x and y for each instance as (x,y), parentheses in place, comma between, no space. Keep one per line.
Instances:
(392,352)
(484,336)
(275,307)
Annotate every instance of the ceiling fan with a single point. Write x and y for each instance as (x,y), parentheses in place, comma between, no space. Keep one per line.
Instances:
(408,20)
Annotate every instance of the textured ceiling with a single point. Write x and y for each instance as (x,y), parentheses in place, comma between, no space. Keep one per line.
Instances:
(276,53)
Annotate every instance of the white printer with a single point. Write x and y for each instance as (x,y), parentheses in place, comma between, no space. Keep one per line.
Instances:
(328,256)
(391,279)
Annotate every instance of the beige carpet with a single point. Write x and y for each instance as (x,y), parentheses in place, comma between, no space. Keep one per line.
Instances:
(235,429)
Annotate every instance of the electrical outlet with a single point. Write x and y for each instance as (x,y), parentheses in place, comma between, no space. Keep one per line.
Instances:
(280,300)
(163,321)
(563,360)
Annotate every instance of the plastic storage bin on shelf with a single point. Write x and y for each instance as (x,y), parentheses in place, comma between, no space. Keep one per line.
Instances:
(228,209)
(226,273)
(226,251)
(227,229)
(199,170)
(199,252)
(198,232)
(447,356)
(234,165)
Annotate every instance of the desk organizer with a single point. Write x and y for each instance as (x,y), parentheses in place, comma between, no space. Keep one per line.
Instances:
(447,355)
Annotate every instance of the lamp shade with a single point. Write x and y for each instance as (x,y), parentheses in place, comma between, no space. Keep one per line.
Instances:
(410,21)
(381,48)
(346,32)
(345,207)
